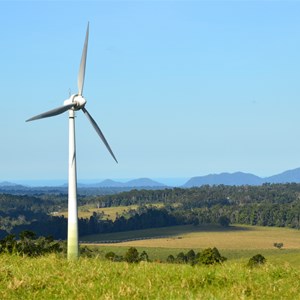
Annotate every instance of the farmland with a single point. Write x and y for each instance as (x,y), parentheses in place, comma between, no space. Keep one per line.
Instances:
(85,211)
(237,242)
(189,236)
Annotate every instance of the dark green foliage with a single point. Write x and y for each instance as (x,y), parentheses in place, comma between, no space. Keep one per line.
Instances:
(266,205)
(144,256)
(86,252)
(256,260)
(29,245)
(208,256)
(170,259)
(278,245)
(181,258)
(224,221)
(110,255)
(132,255)
(211,256)
(191,257)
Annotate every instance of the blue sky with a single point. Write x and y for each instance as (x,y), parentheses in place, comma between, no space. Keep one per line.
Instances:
(179,88)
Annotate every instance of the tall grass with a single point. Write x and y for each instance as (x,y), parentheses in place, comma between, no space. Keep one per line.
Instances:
(51,277)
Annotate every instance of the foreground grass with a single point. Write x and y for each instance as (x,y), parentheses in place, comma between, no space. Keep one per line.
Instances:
(55,278)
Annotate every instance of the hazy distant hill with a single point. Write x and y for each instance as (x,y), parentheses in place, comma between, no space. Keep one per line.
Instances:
(141,182)
(237,178)
(240,178)
(287,176)
(109,186)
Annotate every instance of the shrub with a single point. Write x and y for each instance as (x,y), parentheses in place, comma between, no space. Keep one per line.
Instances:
(278,245)
(110,255)
(170,259)
(211,256)
(144,256)
(191,257)
(132,255)
(224,221)
(29,244)
(256,260)
(181,258)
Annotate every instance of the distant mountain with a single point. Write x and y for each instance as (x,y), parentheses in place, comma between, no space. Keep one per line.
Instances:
(238,178)
(111,186)
(287,176)
(7,183)
(141,182)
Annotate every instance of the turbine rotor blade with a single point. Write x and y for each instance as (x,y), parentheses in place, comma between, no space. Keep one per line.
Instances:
(96,127)
(81,73)
(53,112)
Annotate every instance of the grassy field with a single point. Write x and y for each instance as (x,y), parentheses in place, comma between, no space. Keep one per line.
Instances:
(86,211)
(235,237)
(237,243)
(51,277)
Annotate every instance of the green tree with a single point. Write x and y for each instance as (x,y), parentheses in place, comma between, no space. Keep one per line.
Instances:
(171,259)
(278,245)
(256,260)
(144,256)
(132,255)
(224,221)
(211,256)
(190,256)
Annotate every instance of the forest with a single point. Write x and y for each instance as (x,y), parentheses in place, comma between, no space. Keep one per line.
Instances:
(265,205)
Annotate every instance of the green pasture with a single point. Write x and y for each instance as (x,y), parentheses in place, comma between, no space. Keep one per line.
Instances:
(237,243)
(53,277)
(85,211)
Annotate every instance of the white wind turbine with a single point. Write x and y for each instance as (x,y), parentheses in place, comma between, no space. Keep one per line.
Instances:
(75,102)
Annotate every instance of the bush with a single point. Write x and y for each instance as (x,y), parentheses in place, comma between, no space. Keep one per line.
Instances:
(29,244)
(256,260)
(191,257)
(211,256)
(170,259)
(132,255)
(110,256)
(144,256)
(224,221)
(278,245)
(181,258)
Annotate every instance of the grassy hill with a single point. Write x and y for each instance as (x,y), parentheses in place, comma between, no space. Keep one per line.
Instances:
(52,277)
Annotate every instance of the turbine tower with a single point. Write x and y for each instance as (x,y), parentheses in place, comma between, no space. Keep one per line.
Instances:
(74,103)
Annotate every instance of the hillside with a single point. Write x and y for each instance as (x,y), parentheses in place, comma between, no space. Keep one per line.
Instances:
(240,178)
(51,277)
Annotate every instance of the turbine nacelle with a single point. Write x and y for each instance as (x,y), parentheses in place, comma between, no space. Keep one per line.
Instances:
(77,100)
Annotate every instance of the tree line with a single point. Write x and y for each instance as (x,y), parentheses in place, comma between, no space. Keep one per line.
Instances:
(266,205)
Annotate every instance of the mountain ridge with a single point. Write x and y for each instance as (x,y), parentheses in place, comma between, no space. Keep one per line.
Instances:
(241,178)
(235,178)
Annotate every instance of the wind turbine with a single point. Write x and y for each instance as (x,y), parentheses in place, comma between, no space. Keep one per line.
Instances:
(74,103)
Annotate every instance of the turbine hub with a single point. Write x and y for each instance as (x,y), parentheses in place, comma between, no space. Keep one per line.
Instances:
(78,100)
